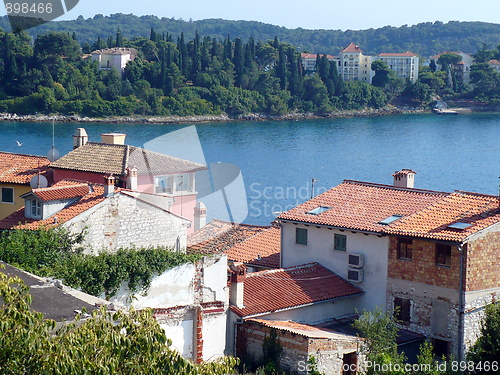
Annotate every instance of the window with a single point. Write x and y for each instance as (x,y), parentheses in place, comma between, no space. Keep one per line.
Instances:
(405,248)
(7,195)
(35,208)
(318,210)
(163,184)
(441,348)
(402,309)
(301,236)
(443,255)
(340,242)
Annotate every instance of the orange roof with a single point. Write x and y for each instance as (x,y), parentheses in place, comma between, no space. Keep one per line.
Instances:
(263,249)
(17,220)
(21,168)
(60,192)
(406,54)
(494,62)
(352,48)
(404,172)
(362,205)
(315,56)
(305,330)
(285,288)
(219,236)
(436,57)
(479,210)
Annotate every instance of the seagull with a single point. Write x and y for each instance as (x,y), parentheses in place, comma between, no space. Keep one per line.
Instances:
(19,143)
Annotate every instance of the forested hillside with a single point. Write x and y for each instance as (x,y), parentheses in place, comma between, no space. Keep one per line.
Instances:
(425,39)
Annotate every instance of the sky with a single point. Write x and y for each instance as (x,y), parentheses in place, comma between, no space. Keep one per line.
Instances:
(307,14)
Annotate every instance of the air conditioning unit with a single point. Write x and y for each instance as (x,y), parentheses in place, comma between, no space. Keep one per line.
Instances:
(356,260)
(355,275)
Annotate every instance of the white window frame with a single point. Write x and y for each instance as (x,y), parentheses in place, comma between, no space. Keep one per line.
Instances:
(36,208)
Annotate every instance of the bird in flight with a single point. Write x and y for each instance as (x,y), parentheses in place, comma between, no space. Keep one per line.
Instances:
(19,143)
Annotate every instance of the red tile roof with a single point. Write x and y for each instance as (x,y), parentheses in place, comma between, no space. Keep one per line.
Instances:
(218,236)
(405,54)
(432,222)
(263,249)
(352,48)
(494,62)
(436,57)
(17,220)
(315,56)
(270,291)
(362,205)
(21,168)
(305,330)
(61,192)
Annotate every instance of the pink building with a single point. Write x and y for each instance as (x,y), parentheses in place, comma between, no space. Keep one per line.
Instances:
(134,168)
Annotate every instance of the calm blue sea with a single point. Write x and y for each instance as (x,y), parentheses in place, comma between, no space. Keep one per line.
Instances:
(278,159)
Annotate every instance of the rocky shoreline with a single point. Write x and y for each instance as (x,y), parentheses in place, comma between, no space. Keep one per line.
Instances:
(390,110)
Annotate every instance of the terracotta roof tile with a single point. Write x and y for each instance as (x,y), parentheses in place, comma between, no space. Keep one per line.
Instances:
(115,159)
(17,220)
(218,236)
(494,62)
(305,330)
(352,48)
(60,192)
(21,168)
(433,222)
(361,205)
(315,56)
(263,249)
(274,290)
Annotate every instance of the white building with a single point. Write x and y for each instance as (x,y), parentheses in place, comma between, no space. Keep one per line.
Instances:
(114,58)
(462,69)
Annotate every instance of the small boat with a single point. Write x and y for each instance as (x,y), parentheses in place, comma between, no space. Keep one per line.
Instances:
(442,111)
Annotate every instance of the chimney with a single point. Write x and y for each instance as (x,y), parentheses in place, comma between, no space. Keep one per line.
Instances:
(132,178)
(238,275)
(404,178)
(200,216)
(80,138)
(109,186)
(113,138)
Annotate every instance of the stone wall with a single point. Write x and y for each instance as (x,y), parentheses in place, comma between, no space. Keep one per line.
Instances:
(123,221)
(297,348)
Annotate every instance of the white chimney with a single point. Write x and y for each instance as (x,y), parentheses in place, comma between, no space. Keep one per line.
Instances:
(404,178)
(200,215)
(132,178)
(109,186)
(113,138)
(80,137)
(238,275)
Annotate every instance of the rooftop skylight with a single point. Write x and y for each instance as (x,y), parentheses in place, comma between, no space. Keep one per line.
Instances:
(459,225)
(318,210)
(390,219)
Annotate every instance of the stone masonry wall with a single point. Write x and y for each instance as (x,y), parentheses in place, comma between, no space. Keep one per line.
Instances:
(483,261)
(123,221)
(422,268)
(297,348)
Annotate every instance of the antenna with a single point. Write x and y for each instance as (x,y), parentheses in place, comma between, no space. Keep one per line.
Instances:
(53,154)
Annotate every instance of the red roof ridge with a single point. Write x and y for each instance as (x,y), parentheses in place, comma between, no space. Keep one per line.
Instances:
(374,184)
(24,155)
(293,268)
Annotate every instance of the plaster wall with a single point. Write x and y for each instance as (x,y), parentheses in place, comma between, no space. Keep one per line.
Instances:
(320,248)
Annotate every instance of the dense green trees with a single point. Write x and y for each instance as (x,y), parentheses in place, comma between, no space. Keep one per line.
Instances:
(202,76)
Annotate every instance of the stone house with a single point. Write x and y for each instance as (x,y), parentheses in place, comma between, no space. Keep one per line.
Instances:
(136,169)
(16,173)
(307,294)
(111,217)
(433,255)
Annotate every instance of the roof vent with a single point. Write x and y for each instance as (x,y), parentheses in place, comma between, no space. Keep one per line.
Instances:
(460,225)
